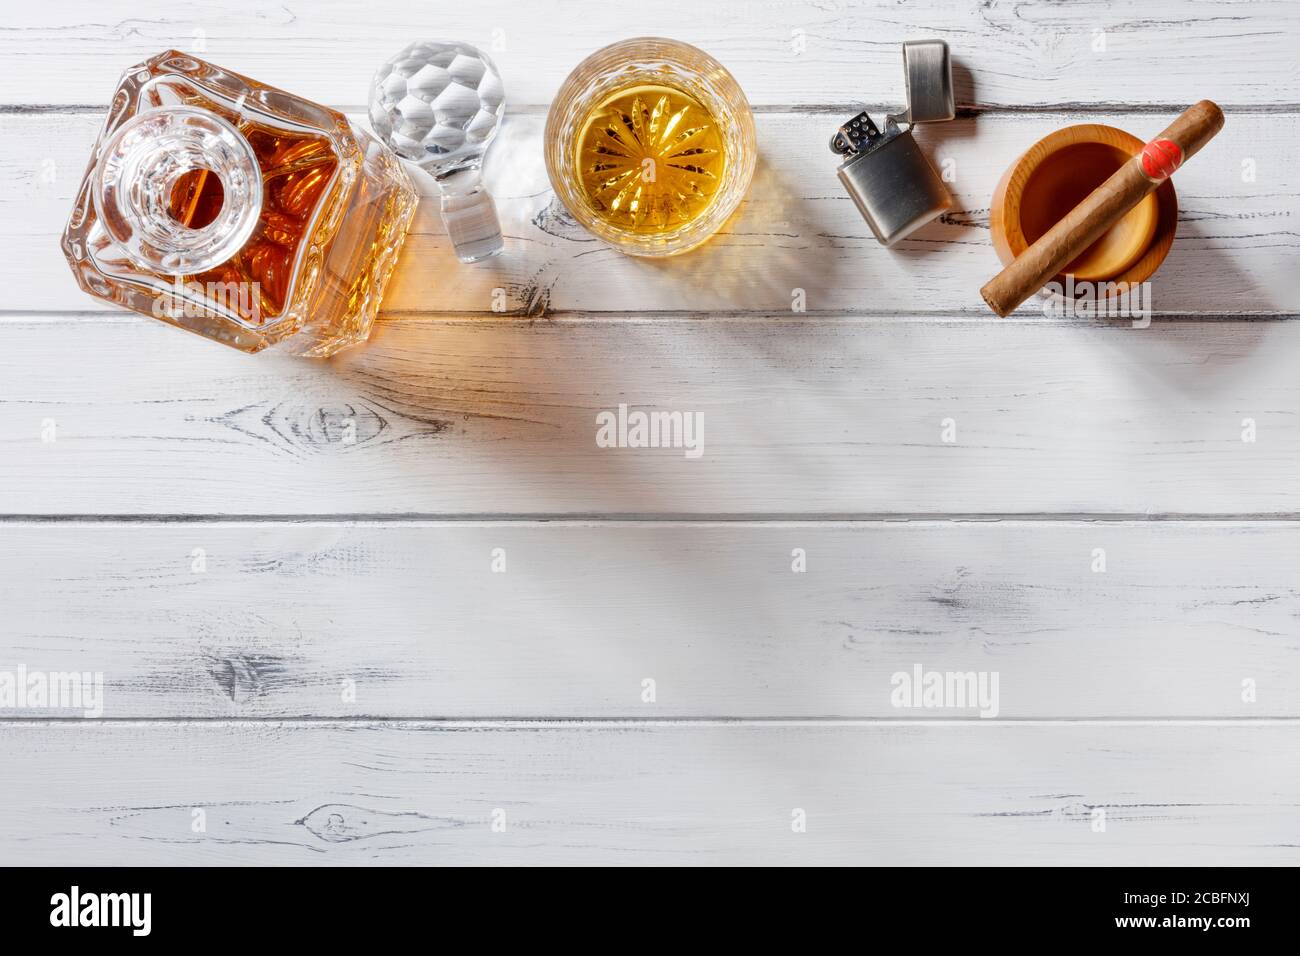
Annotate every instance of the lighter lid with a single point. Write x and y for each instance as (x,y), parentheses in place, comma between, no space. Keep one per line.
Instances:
(927,72)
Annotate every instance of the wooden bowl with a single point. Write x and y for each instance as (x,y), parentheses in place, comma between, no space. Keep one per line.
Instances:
(1053,176)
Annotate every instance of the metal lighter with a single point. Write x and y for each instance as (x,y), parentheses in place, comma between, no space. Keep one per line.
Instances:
(895,187)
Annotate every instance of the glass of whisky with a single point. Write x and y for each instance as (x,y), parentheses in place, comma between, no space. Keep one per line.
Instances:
(238,211)
(650,145)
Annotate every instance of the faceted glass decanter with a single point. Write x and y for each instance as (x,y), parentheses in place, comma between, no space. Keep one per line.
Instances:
(238,211)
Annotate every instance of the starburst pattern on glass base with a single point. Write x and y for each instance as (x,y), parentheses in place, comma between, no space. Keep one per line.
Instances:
(651,158)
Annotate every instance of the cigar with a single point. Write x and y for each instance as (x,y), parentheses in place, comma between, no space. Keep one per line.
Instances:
(1103,207)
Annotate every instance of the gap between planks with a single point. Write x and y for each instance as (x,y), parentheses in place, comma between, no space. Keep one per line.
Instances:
(617,519)
(581,317)
(531,724)
(848,109)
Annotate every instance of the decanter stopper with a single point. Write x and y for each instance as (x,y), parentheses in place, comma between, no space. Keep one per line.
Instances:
(438,103)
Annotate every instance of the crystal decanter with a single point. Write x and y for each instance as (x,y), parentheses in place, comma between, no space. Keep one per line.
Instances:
(238,211)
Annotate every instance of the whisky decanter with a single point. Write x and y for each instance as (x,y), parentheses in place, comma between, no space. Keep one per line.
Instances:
(238,211)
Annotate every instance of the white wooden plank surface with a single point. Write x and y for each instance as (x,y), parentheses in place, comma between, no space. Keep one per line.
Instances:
(282,615)
(649,794)
(1020,54)
(802,416)
(325,567)
(1236,249)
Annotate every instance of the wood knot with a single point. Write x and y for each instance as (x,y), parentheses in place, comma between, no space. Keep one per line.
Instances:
(242,677)
(343,823)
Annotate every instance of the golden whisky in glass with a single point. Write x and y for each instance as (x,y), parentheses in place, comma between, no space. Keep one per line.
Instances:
(650,145)
(650,158)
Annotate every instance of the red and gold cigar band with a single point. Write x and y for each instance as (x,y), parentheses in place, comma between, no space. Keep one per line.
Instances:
(1160,158)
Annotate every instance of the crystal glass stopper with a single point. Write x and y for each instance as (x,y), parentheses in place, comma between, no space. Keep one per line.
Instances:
(438,104)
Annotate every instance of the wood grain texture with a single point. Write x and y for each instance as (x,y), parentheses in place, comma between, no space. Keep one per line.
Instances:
(798,230)
(347,511)
(281,618)
(1019,54)
(801,416)
(649,794)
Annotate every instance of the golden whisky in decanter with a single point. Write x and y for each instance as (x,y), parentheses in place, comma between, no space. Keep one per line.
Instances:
(238,211)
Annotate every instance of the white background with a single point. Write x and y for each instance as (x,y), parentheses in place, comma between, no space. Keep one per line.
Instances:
(370,562)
